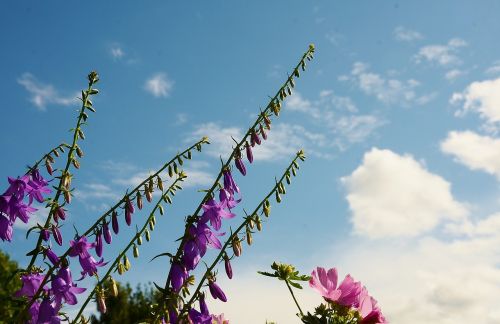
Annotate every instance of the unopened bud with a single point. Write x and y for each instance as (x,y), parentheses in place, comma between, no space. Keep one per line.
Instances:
(79,151)
(114,288)
(159,183)
(48,166)
(160,207)
(263,132)
(139,240)
(237,249)
(139,200)
(114,222)
(149,196)
(126,263)
(147,235)
(101,303)
(136,251)
(249,238)
(67,196)
(258,224)
(56,153)
(170,171)
(121,268)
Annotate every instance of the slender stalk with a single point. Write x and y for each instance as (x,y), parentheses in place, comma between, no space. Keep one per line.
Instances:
(294,299)
(54,202)
(129,245)
(45,156)
(236,232)
(267,112)
(51,270)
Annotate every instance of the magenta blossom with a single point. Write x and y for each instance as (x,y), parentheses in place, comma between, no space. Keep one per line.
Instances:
(5,228)
(203,316)
(80,247)
(89,265)
(37,186)
(347,293)
(47,313)
(178,274)
(216,291)
(214,212)
(219,319)
(229,183)
(369,310)
(31,284)
(64,289)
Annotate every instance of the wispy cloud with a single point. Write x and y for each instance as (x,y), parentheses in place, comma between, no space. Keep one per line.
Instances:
(386,89)
(116,51)
(159,85)
(494,68)
(406,35)
(453,74)
(443,55)
(42,95)
(338,116)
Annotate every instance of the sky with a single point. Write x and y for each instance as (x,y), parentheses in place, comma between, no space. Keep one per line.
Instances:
(398,114)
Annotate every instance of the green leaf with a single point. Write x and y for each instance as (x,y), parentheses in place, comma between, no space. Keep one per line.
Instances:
(294,284)
(267,274)
(162,254)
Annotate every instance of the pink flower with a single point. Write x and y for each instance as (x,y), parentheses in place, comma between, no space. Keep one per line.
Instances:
(219,319)
(347,293)
(369,310)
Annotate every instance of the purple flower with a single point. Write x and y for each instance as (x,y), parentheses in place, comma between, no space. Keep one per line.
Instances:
(33,311)
(37,186)
(80,247)
(172,316)
(228,199)
(5,228)
(129,210)
(64,289)
(16,208)
(31,284)
(52,256)
(229,183)
(214,212)
(47,313)
(17,187)
(178,274)
(219,319)
(254,139)
(191,255)
(114,222)
(57,235)
(347,294)
(98,243)
(89,265)
(107,233)
(240,166)
(263,132)
(216,291)
(203,316)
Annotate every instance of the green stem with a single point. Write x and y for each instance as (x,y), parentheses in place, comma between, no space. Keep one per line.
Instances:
(54,202)
(100,219)
(44,157)
(122,253)
(266,112)
(294,299)
(236,232)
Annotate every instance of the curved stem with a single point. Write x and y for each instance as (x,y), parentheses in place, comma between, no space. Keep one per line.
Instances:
(236,232)
(294,299)
(64,173)
(267,112)
(44,157)
(129,245)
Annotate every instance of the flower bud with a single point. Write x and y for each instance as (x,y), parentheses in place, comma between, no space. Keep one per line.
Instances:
(170,172)
(159,183)
(240,166)
(57,235)
(227,266)
(237,246)
(151,225)
(267,121)
(278,197)
(114,222)
(160,207)
(251,222)
(139,200)
(136,251)
(258,223)
(101,303)
(76,164)
(45,234)
(121,268)
(254,138)
(126,263)
(52,256)
(149,196)
(139,240)
(60,213)
(249,152)
(129,210)
(98,243)
(147,235)
(114,288)
(263,132)
(107,233)
(216,291)
(49,167)
(79,151)
(67,196)
(249,237)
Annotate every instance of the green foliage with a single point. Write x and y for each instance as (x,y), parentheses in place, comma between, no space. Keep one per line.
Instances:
(129,306)
(9,283)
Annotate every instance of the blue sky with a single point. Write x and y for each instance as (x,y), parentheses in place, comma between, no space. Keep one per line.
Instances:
(398,114)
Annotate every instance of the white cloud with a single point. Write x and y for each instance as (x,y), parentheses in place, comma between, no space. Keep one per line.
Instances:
(38,217)
(406,35)
(482,97)
(393,195)
(159,85)
(454,74)
(386,90)
(473,150)
(94,191)
(42,95)
(441,54)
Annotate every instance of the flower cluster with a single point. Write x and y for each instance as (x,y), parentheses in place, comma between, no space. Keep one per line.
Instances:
(349,294)
(12,202)
(63,289)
